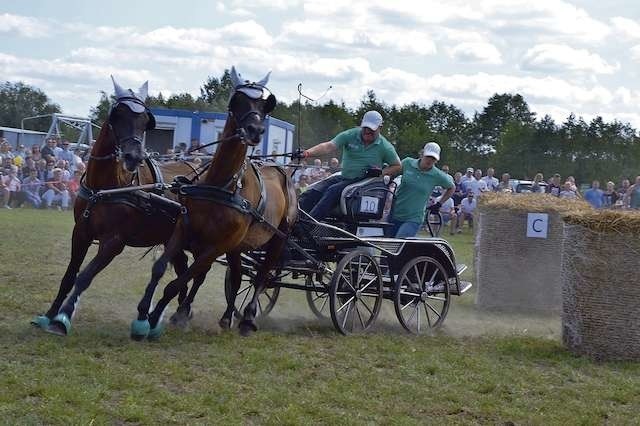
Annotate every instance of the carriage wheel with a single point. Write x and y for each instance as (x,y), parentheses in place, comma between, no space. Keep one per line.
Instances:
(434,223)
(317,299)
(266,301)
(421,295)
(356,292)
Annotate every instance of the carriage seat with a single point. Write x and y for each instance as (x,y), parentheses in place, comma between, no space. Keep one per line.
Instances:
(362,201)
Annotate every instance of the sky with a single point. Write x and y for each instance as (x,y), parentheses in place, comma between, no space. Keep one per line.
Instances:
(563,56)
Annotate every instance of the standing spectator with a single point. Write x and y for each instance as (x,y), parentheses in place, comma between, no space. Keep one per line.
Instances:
(476,184)
(445,168)
(490,181)
(66,155)
(317,172)
(468,175)
(610,196)
(50,149)
(505,184)
(302,184)
(31,189)
(633,194)
(567,191)
(536,186)
(73,185)
(56,191)
(594,196)
(553,187)
(622,192)
(467,208)
(22,151)
(458,193)
(334,165)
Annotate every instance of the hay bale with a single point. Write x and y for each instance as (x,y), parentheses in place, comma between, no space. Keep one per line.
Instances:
(601,288)
(514,272)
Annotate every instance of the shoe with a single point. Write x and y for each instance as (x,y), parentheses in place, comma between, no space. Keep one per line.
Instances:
(7,207)
(459,231)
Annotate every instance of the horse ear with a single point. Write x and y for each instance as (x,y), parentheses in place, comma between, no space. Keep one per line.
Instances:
(118,90)
(143,91)
(270,104)
(265,80)
(235,78)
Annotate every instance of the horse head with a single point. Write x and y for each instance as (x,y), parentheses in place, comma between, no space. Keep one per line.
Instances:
(249,105)
(128,119)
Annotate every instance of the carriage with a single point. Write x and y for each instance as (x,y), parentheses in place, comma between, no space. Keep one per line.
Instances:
(347,267)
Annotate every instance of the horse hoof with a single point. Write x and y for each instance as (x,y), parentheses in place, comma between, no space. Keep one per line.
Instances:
(41,321)
(60,325)
(247,328)
(140,329)
(181,318)
(156,332)
(225,323)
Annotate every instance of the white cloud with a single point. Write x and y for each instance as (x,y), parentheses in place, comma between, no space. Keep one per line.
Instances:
(635,53)
(24,26)
(627,27)
(560,57)
(480,52)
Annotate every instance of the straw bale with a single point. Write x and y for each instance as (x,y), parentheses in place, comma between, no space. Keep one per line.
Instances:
(601,288)
(514,272)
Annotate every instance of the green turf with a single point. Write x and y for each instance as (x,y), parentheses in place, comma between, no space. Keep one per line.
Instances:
(481,368)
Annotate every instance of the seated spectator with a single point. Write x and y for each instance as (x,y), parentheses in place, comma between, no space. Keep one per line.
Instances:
(302,184)
(56,191)
(594,195)
(633,194)
(609,196)
(67,156)
(31,189)
(50,149)
(73,185)
(35,153)
(567,191)
(458,193)
(467,208)
(622,193)
(334,165)
(10,185)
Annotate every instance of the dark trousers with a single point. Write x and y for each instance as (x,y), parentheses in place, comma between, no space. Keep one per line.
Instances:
(319,200)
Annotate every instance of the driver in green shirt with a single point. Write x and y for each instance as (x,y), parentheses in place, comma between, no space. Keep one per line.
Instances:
(419,177)
(362,148)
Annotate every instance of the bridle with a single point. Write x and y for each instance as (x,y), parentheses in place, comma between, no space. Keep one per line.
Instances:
(117,151)
(253,91)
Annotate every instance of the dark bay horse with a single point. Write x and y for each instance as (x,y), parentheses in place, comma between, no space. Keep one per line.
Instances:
(127,219)
(236,207)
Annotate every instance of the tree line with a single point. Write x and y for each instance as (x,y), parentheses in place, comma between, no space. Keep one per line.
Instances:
(505,134)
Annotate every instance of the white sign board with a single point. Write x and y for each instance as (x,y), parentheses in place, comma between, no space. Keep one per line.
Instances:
(537,225)
(368,204)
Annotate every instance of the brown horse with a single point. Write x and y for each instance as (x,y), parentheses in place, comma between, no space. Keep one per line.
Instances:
(238,206)
(118,220)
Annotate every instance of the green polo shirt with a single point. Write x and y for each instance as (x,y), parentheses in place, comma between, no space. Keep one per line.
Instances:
(356,157)
(414,190)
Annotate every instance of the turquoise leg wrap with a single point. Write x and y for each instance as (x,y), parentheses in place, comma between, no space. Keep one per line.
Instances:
(41,321)
(60,325)
(140,329)
(156,332)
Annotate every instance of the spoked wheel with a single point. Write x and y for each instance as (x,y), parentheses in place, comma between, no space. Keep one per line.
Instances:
(266,301)
(421,295)
(356,292)
(434,223)
(317,293)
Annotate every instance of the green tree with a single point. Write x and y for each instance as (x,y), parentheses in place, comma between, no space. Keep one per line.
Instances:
(19,100)
(215,92)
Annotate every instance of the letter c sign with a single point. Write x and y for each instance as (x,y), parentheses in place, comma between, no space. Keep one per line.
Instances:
(537,225)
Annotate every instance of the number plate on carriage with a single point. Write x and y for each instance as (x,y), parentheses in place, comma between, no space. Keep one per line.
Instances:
(369,205)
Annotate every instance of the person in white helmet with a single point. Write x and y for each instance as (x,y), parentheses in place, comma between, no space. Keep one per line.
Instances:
(419,177)
(362,148)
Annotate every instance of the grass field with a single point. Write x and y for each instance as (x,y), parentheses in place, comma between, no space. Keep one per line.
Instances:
(486,368)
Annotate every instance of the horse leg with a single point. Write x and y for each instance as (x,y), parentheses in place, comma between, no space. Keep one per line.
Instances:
(199,267)
(140,327)
(80,243)
(273,252)
(183,313)
(61,323)
(180,317)
(235,277)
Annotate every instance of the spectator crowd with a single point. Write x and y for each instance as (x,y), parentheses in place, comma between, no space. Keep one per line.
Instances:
(40,177)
